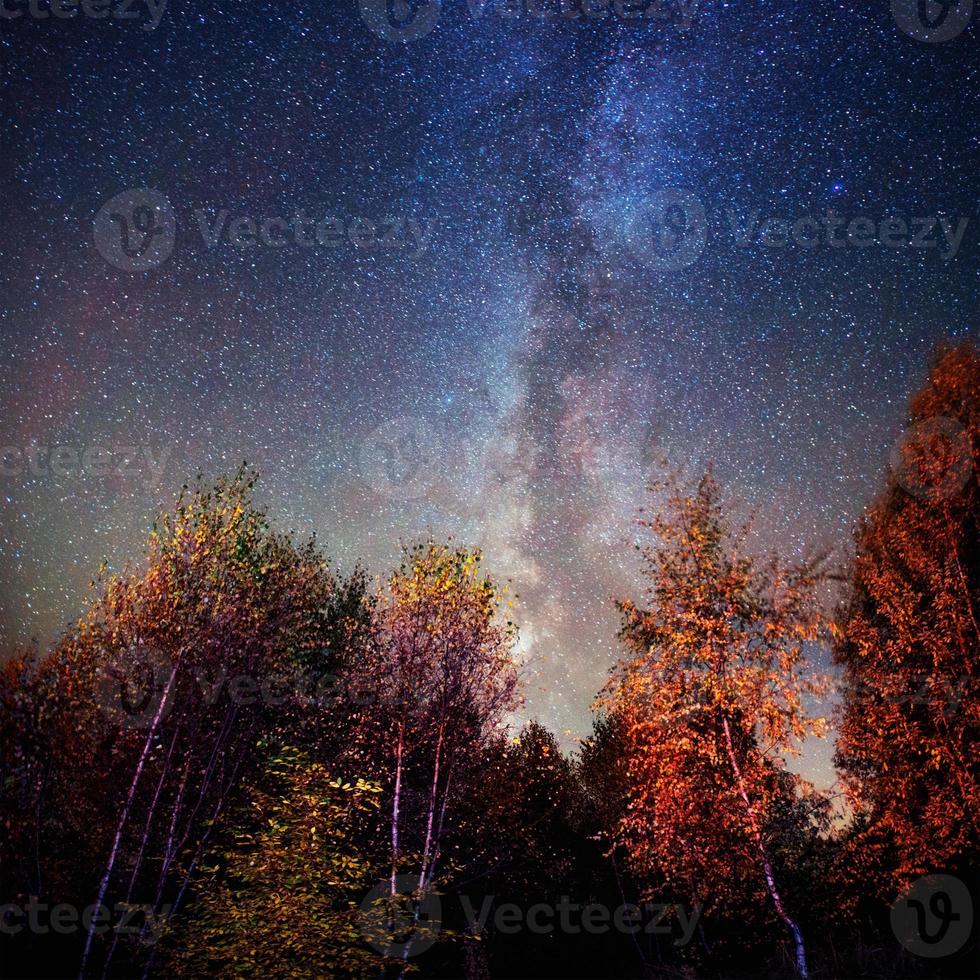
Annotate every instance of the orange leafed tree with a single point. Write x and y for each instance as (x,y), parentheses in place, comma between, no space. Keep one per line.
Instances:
(711,698)
(909,644)
(138,733)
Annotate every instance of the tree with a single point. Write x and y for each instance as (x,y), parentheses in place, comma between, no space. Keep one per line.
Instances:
(909,645)
(514,842)
(514,836)
(149,711)
(711,695)
(443,676)
(603,772)
(281,896)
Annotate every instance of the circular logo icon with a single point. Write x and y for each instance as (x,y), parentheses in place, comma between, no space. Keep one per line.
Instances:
(136,230)
(401,20)
(933,459)
(668,230)
(130,686)
(932,21)
(402,925)
(400,458)
(934,917)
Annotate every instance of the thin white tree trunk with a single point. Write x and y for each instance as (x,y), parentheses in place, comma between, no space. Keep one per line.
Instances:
(147,828)
(198,852)
(788,920)
(428,865)
(124,816)
(437,846)
(394,808)
(433,795)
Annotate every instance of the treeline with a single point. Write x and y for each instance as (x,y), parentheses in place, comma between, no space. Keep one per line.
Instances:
(239,763)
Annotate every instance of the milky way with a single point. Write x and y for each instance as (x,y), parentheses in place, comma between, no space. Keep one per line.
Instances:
(476,281)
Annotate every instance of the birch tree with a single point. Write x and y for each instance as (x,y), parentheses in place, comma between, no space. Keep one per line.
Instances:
(711,694)
(151,707)
(443,676)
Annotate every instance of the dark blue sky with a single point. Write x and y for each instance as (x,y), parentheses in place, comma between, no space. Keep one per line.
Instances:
(535,260)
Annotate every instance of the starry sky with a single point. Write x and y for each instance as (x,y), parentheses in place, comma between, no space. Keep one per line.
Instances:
(469,270)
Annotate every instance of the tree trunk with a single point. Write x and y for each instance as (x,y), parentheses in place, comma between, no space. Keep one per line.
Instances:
(433,796)
(788,920)
(394,808)
(147,829)
(124,816)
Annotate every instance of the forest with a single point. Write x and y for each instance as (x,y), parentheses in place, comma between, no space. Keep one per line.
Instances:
(239,762)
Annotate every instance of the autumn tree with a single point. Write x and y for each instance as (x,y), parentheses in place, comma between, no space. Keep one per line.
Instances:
(145,719)
(909,645)
(443,677)
(280,896)
(224,607)
(712,697)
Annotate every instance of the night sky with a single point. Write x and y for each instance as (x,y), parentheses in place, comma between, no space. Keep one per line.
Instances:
(475,281)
